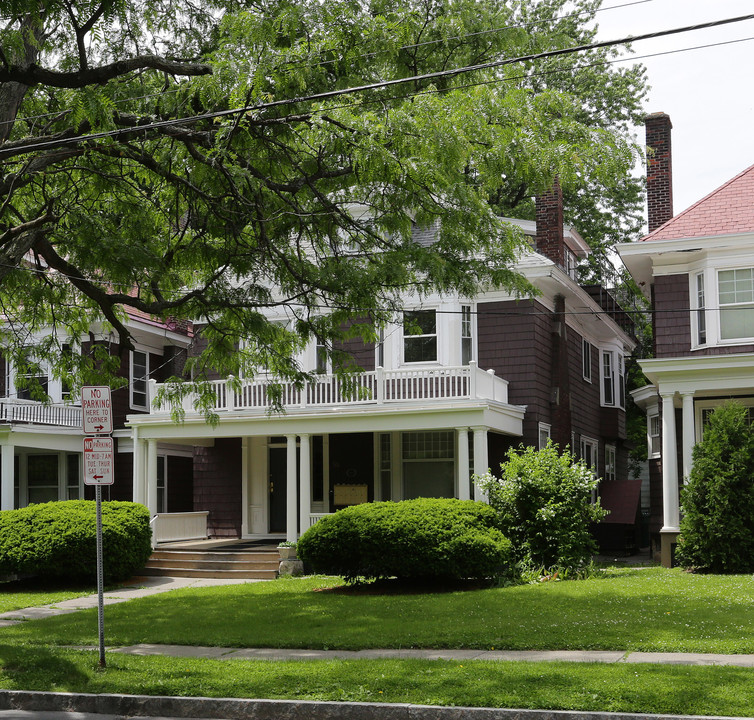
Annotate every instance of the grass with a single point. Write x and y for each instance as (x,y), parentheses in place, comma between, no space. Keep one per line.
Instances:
(653,609)
(19,594)
(575,686)
(631,610)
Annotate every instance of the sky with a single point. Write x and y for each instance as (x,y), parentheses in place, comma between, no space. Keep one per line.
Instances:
(708,93)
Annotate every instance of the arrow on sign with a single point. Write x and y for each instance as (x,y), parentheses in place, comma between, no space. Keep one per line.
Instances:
(99,428)
(97,477)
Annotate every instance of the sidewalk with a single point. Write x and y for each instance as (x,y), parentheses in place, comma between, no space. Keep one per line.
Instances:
(137,587)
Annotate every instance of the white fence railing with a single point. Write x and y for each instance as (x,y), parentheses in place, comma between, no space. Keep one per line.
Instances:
(169,527)
(377,387)
(28,411)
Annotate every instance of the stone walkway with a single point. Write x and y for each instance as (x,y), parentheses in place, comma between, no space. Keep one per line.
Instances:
(146,586)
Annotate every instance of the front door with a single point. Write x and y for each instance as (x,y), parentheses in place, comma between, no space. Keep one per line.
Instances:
(278,465)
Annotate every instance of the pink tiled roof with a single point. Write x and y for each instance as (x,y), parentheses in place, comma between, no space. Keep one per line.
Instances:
(725,211)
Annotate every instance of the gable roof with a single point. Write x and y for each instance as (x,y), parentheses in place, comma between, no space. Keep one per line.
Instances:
(726,211)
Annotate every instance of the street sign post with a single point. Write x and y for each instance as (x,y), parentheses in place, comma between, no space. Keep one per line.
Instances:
(97,421)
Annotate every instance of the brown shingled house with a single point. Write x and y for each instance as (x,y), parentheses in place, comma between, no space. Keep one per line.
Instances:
(698,268)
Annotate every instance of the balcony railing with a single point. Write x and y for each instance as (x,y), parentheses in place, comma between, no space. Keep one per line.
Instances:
(377,387)
(36,413)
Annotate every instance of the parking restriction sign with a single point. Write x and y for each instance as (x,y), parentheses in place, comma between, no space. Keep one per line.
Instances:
(96,411)
(98,461)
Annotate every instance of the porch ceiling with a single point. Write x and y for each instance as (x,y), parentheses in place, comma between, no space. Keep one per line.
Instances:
(497,417)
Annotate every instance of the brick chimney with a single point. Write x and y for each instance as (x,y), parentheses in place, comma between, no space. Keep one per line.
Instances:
(549,240)
(659,170)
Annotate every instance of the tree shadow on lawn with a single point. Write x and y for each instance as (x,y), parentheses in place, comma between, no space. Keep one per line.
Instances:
(33,668)
(408,586)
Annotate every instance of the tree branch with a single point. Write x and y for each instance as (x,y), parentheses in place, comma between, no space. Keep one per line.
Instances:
(35,75)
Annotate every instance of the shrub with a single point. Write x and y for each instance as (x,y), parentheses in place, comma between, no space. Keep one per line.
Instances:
(718,500)
(544,505)
(422,538)
(59,539)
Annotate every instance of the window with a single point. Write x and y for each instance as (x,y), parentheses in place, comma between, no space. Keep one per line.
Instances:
(380,350)
(34,378)
(736,300)
(613,379)
(589,448)
(419,336)
(73,477)
(610,462)
(428,464)
(466,335)
(544,435)
(320,360)
(653,430)
(42,478)
(701,320)
(586,360)
(139,379)
(608,394)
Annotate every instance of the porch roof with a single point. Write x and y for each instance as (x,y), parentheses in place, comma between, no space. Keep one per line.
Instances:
(194,429)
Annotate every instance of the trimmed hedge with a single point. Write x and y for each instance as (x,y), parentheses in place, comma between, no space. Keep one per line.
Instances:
(422,538)
(59,539)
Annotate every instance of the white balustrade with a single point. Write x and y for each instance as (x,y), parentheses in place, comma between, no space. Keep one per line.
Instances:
(169,527)
(376,387)
(36,413)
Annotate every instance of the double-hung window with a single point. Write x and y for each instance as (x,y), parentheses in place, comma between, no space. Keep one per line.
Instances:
(610,462)
(586,360)
(736,301)
(613,379)
(139,379)
(466,335)
(419,336)
(701,317)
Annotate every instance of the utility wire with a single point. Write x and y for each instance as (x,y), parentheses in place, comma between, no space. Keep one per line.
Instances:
(379,85)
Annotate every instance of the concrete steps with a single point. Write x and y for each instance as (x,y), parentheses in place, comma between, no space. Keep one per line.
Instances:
(247,565)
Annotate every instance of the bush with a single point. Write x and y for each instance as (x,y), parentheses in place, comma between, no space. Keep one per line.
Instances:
(423,538)
(544,505)
(59,539)
(718,500)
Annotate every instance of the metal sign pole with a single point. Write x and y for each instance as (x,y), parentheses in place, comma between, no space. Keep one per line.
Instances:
(100,599)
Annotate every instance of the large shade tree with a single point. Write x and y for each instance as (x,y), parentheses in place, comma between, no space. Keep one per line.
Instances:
(124,185)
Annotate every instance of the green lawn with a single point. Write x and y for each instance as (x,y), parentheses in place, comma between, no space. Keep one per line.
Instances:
(33,593)
(651,609)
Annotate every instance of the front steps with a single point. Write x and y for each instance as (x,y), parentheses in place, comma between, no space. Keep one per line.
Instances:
(260,564)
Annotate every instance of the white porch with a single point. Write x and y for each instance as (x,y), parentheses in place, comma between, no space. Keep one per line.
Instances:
(464,404)
(695,386)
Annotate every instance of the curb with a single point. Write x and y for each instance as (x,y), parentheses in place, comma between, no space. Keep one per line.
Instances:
(245,709)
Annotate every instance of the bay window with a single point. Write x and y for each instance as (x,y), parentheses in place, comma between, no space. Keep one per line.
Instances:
(736,301)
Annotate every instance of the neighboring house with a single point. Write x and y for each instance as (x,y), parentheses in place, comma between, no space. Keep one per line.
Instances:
(41,443)
(444,395)
(698,269)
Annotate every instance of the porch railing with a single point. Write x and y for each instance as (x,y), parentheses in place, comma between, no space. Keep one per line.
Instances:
(377,387)
(28,411)
(169,527)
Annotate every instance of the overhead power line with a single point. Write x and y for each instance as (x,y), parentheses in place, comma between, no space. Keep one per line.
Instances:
(378,85)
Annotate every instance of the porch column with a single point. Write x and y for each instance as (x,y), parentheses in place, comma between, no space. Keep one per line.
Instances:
(291,514)
(464,490)
(138,472)
(7,470)
(305,483)
(481,461)
(687,432)
(670,509)
(152,477)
